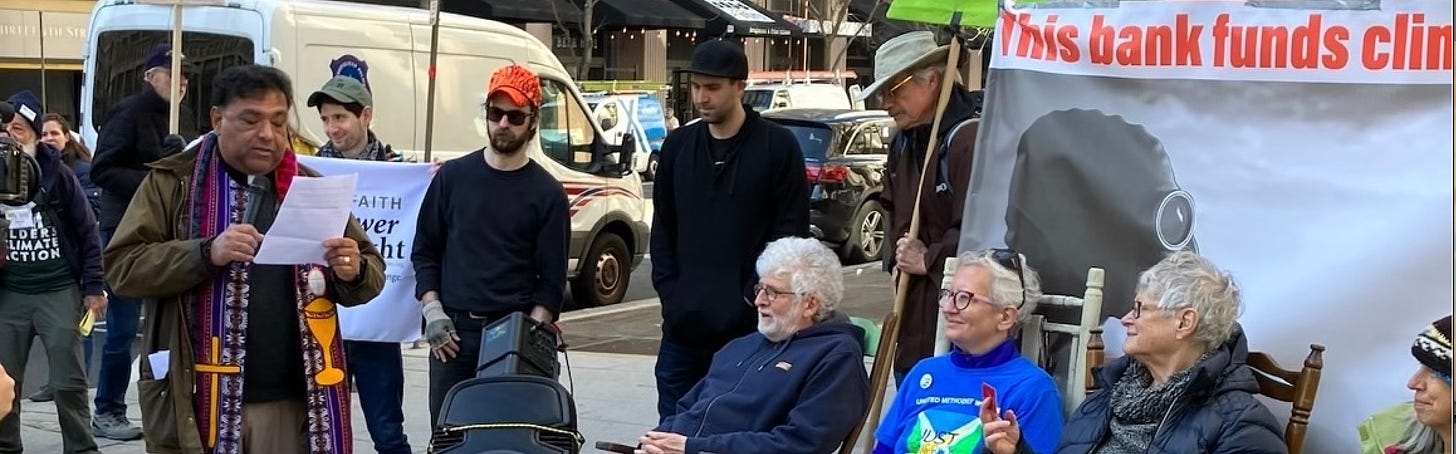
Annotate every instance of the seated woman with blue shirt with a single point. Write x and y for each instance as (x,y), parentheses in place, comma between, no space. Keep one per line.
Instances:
(937,408)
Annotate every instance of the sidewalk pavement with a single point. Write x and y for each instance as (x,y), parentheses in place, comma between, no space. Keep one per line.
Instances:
(616,400)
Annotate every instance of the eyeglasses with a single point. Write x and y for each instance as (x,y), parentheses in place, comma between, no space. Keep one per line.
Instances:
(959,299)
(887,95)
(767,292)
(516,117)
(1137,309)
(1012,261)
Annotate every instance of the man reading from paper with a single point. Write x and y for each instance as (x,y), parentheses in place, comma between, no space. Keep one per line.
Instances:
(258,343)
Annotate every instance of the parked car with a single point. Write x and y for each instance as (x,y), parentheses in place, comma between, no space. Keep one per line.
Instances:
(844,159)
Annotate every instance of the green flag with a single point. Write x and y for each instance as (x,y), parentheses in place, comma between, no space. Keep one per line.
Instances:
(974,13)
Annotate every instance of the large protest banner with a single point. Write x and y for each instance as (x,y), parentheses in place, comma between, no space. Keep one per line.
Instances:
(387,205)
(1305,146)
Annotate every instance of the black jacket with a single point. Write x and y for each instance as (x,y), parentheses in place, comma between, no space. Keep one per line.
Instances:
(66,200)
(1218,414)
(132,137)
(713,221)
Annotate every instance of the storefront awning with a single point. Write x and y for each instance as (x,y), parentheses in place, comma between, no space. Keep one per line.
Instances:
(652,14)
(740,18)
(551,11)
(873,11)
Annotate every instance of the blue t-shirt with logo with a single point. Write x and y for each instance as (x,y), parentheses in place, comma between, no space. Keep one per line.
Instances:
(937,409)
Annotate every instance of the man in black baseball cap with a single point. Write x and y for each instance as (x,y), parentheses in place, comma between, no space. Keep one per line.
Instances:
(752,172)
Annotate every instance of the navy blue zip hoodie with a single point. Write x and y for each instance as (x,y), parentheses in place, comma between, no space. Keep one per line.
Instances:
(800,396)
(80,239)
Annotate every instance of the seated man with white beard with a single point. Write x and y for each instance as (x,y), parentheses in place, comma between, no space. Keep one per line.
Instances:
(797,386)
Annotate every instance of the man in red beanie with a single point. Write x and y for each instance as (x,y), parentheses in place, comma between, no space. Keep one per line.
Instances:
(491,237)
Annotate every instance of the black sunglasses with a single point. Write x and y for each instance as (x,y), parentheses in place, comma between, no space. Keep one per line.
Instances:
(516,117)
(1012,261)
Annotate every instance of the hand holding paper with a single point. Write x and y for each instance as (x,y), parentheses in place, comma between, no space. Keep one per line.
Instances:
(315,210)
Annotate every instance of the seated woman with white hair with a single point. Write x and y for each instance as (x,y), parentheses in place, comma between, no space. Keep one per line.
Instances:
(1183,386)
(937,408)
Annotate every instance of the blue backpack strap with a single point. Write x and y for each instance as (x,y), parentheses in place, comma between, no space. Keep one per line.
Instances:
(942,178)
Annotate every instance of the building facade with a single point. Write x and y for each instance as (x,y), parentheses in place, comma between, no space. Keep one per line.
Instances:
(41,46)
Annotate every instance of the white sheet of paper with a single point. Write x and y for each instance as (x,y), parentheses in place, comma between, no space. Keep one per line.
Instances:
(161,361)
(315,209)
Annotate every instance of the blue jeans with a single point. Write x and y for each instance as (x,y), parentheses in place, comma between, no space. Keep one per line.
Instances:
(378,371)
(679,369)
(123,315)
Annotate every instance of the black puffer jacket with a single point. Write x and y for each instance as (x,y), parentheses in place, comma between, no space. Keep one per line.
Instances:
(1219,414)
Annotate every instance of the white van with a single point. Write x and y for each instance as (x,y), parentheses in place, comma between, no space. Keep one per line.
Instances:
(312,40)
(771,96)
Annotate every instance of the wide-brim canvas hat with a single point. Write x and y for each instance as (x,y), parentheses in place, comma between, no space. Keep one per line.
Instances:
(903,53)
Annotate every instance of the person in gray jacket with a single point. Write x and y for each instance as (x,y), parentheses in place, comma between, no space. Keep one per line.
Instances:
(1183,385)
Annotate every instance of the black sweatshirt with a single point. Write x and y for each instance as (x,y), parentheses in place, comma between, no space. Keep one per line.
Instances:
(492,241)
(713,220)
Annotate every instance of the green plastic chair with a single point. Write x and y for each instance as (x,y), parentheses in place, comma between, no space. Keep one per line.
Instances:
(872,335)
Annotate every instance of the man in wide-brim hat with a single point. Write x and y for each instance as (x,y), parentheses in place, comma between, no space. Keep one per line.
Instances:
(909,70)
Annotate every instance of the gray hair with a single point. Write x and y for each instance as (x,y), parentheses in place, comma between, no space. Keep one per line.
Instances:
(810,267)
(1419,438)
(923,74)
(1008,288)
(1186,280)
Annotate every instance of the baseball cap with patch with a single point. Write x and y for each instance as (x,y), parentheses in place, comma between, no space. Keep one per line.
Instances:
(518,83)
(343,90)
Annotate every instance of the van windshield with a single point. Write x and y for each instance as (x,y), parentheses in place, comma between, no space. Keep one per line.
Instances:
(759,100)
(119,73)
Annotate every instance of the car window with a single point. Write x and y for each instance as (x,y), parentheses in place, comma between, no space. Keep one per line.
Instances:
(814,140)
(566,129)
(872,138)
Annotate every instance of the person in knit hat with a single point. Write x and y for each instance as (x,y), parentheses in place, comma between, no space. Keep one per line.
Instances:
(53,263)
(1427,419)
(25,125)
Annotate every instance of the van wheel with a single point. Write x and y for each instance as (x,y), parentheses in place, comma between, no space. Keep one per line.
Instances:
(651,173)
(866,234)
(603,280)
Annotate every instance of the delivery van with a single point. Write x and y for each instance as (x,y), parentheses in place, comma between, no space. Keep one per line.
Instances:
(389,49)
(636,114)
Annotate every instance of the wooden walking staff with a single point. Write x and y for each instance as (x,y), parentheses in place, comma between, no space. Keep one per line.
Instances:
(175,106)
(430,91)
(174,111)
(884,355)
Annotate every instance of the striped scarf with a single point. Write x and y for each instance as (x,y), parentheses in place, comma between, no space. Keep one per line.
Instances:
(374,150)
(218,322)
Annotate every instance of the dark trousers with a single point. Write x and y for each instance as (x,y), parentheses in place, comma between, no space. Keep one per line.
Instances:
(123,315)
(679,368)
(446,375)
(378,372)
(53,316)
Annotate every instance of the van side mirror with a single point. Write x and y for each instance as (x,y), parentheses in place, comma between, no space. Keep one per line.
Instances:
(603,165)
(626,154)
